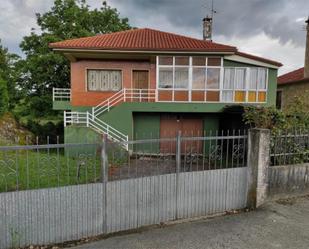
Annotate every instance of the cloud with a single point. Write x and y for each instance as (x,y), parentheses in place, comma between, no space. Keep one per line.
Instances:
(270,28)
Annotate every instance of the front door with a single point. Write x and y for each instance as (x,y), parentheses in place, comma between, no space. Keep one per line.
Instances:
(140,79)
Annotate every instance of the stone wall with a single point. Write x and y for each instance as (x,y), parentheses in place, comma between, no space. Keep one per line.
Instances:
(290,91)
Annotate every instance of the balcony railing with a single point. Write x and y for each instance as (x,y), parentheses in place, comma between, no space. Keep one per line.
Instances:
(61,94)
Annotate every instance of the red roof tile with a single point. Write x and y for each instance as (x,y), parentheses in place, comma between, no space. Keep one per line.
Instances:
(143,40)
(291,77)
(150,40)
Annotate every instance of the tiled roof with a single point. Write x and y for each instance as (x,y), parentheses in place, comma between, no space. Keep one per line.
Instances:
(291,77)
(258,58)
(150,40)
(143,40)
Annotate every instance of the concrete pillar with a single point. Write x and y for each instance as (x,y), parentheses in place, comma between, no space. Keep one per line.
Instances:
(258,163)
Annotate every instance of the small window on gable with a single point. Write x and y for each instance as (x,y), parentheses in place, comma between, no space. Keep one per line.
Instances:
(104,80)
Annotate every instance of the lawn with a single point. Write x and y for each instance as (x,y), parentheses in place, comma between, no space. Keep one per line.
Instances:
(33,169)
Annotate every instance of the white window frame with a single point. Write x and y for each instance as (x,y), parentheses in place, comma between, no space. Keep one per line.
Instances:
(221,89)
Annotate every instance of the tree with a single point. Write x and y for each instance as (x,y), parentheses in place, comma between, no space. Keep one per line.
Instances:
(4,97)
(9,73)
(42,69)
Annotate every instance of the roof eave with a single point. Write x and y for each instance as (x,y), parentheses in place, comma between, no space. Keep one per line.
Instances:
(304,80)
(150,51)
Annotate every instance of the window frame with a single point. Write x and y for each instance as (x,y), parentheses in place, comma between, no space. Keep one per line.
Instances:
(103,69)
(220,88)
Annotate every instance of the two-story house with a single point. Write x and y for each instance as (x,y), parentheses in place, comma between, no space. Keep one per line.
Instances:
(145,83)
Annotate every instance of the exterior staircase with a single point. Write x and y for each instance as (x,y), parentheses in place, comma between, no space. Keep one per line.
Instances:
(93,121)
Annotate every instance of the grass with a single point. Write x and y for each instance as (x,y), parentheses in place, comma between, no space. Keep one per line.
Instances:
(22,170)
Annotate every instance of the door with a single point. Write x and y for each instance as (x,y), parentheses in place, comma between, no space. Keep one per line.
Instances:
(188,126)
(140,85)
(140,79)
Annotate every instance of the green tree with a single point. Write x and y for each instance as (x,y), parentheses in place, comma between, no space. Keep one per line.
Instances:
(43,69)
(9,73)
(4,96)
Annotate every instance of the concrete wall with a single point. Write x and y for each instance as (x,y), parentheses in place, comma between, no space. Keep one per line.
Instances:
(288,179)
(290,91)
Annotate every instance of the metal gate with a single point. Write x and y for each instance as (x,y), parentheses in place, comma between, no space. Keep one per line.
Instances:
(152,186)
(55,193)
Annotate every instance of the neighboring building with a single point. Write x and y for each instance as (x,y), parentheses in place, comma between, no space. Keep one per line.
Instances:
(294,83)
(291,85)
(146,83)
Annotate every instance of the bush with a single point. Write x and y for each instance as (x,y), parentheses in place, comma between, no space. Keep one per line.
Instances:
(40,106)
(295,118)
(265,118)
(4,97)
(49,129)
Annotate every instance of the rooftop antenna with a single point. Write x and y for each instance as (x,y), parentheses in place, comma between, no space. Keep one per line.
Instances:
(208,22)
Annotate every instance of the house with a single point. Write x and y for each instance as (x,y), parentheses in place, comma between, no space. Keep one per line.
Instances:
(294,83)
(145,83)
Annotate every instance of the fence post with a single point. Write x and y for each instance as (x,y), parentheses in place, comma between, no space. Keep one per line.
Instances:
(64,118)
(258,163)
(104,179)
(178,163)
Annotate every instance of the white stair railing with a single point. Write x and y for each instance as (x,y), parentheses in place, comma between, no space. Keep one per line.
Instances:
(88,120)
(61,94)
(91,119)
(125,95)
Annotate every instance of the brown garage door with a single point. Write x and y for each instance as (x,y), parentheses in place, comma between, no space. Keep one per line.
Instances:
(189,126)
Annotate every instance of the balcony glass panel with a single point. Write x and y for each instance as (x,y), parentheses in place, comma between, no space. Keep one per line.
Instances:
(166,77)
(213,78)
(181,78)
(198,78)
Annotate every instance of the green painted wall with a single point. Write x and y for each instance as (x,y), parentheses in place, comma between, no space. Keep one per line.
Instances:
(121,117)
(211,125)
(62,105)
(75,134)
(146,126)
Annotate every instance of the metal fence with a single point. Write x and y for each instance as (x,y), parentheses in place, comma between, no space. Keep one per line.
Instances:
(289,148)
(61,192)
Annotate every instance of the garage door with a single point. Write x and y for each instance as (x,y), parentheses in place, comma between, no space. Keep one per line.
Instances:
(188,125)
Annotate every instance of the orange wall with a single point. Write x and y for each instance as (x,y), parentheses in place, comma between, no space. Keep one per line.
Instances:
(82,97)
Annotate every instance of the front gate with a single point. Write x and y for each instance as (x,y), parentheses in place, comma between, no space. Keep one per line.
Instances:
(55,193)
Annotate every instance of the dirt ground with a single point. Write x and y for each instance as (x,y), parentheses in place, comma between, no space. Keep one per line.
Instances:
(278,224)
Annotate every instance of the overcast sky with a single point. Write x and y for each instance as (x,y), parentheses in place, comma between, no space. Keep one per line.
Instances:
(270,28)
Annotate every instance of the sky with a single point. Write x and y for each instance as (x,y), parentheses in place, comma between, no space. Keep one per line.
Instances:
(274,29)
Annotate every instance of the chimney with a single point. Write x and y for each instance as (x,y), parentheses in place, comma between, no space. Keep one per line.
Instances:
(207,29)
(306,69)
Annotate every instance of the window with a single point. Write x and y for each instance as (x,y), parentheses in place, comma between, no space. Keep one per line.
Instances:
(202,78)
(228,84)
(244,85)
(104,80)
(181,77)
(198,78)
(213,78)
(166,77)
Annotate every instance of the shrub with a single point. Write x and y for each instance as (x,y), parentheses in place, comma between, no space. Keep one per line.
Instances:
(265,118)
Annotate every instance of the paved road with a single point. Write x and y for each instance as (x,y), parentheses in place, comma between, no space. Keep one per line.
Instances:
(281,224)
